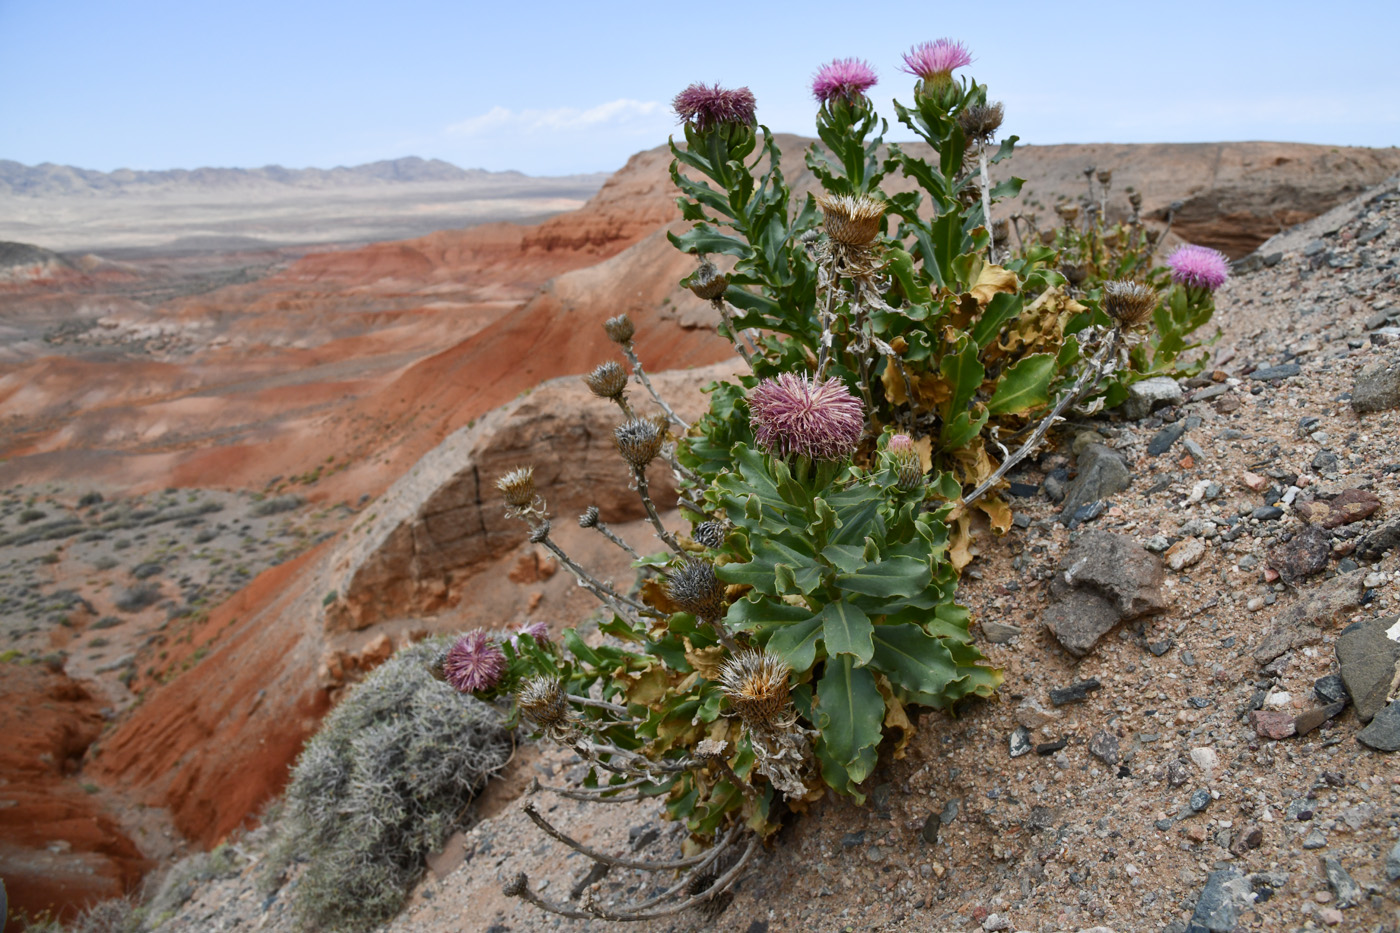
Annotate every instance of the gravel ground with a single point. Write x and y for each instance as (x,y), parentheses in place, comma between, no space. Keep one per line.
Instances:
(1151,797)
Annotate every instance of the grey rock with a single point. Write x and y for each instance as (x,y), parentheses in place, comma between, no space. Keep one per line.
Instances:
(1275,373)
(1103,472)
(1074,693)
(1331,689)
(1200,799)
(1163,825)
(1383,734)
(1372,232)
(1303,555)
(1105,578)
(1314,248)
(929,832)
(1163,440)
(999,633)
(1368,658)
(1226,895)
(1348,892)
(1314,840)
(1392,864)
(1149,395)
(1301,624)
(1309,720)
(1377,386)
(1019,742)
(1384,538)
(1209,392)
(1299,809)
(1079,619)
(1267,513)
(1104,747)
(1324,461)
(1178,772)
(950,810)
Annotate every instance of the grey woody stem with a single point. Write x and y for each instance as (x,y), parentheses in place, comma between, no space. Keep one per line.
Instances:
(644,491)
(987,200)
(616,862)
(608,533)
(739,337)
(610,597)
(642,375)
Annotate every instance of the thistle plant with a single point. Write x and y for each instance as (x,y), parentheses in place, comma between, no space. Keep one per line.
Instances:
(895,347)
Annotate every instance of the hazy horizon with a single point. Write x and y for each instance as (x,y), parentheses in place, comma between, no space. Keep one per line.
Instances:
(152,85)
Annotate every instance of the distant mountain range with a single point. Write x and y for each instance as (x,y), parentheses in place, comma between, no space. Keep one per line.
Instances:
(49,180)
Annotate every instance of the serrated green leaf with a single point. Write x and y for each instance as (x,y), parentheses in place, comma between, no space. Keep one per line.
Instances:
(963,428)
(1025,385)
(964,373)
(846,630)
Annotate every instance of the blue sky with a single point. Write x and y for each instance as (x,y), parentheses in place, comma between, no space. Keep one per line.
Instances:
(554,88)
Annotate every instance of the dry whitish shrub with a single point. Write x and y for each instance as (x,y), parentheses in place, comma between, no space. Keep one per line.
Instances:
(383,783)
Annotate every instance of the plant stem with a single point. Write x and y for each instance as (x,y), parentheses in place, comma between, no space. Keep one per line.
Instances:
(607,532)
(610,597)
(645,492)
(828,318)
(738,338)
(641,374)
(987,201)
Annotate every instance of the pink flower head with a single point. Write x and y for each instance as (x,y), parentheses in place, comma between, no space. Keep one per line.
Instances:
(901,445)
(474,663)
(1199,267)
(796,415)
(708,107)
(537,630)
(936,60)
(848,78)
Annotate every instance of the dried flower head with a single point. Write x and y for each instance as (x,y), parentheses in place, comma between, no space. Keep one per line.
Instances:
(543,700)
(707,282)
(851,220)
(619,329)
(589,518)
(1199,267)
(796,415)
(539,534)
(1069,213)
(710,534)
(639,441)
(609,380)
(708,107)
(711,748)
(908,467)
(518,486)
(934,61)
(843,79)
(1104,175)
(980,122)
(1135,199)
(696,590)
(1129,303)
(756,683)
(474,663)
(1074,273)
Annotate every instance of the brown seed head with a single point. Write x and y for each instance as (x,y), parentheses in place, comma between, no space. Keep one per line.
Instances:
(1069,213)
(518,486)
(639,441)
(1129,303)
(609,380)
(540,533)
(619,329)
(707,282)
(1135,199)
(696,590)
(1104,175)
(981,121)
(850,220)
(710,534)
(589,518)
(757,685)
(1074,274)
(543,700)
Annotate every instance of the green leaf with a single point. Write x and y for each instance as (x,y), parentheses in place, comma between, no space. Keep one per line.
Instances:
(913,659)
(900,264)
(1003,307)
(1025,385)
(797,644)
(964,373)
(893,576)
(754,611)
(963,428)
(849,712)
(846,630)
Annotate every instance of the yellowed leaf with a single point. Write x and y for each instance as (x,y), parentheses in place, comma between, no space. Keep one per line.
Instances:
(895,716)
(992,279)
(706,661)
(924,446)
(960,550)
(647,686)
(998,513)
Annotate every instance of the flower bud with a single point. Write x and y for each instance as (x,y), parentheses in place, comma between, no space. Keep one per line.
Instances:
(908,468)
(619,329)
(543,700)
(540,533)
(518,487)
(589,518)
(707,282)
(710,534)
(849,220)
(608,380)
(639,441)
(980,122)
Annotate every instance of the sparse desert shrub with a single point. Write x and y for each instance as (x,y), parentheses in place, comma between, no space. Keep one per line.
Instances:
(105,562)
(277,504)
(108,622)
(148,569)
(388,776)
(30,515)
(90,499)
(138,597)
(121,544)
(205,535)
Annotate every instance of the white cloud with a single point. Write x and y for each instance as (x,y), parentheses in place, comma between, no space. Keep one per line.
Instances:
(617,116)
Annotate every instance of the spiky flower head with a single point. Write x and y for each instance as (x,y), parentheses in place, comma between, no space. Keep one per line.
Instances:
(543,700)
(706,282)
(708,107)
(756,683)
(539,534)
(608,380)
(537,630)
(843,79)
(980,122)
(934,61)
(589,518)
(710,534)
(1129,303)
(908,467)
(619,329)
(518,486)
(1104,175)
(474,663)
(792,414)
(851,220)
(639,441)
(696,590)
(1199,266)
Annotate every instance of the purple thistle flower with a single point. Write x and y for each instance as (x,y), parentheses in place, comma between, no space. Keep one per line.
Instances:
(796,415)
(844,77)
(474,663)
(708,107)
(1199,267)
(537,630)
(936,60)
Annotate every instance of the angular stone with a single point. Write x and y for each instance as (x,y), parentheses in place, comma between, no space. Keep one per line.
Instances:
(1184,553)
(1163,440)
(1079,619)
(999,633)
(1118,568)
(1348,892)
(1148,395)
(1275,373)
(1351,506)
(1383,734)
(1302,623)
(1019,742)
(1392,864)
(1272,724)
(1377,386)
(1226,895)
(1250,837)
(1074,693)
(1104,747)
(1103,472)
(1330,689)
(1305,554)
(1368,657)
(1306,722)
(1384,538)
